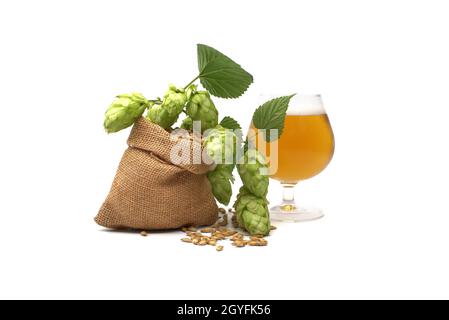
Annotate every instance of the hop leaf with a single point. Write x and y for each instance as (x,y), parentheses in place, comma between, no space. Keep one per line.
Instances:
(124,111)
(221,76)
(230,123)
(271,115)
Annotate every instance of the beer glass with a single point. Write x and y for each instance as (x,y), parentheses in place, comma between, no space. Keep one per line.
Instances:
(304,149)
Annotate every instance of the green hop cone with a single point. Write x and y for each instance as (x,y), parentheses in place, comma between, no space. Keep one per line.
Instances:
(167,113)
(187,124)
(124,111)
(249,171)
(220,145)
(242,192)
(201,108)
(160,116)
(221,180)
(252,214)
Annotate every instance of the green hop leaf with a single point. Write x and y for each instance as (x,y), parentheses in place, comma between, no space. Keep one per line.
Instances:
(232,124)
(271,115)
(252,214)
(221,180)
(250,173)
(124,111)
(221,76)
(167,113)
(201,108)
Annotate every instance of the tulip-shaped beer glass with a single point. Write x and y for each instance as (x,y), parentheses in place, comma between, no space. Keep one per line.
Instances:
(304,149)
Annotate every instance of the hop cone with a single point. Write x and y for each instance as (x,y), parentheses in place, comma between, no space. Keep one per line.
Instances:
(168,112)
(220,145)
(242,192)
(187,124)
(221,180)
(124,111)
(201,108)
(252,213)
(250,174)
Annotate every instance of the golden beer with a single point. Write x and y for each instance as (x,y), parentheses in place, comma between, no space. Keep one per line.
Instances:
(305,147)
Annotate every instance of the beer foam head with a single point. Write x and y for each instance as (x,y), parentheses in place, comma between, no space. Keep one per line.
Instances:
(306,105)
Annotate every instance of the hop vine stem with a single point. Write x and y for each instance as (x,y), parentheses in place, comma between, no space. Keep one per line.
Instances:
(196,78)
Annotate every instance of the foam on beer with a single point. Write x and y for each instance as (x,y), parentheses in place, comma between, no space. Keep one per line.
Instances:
(306,105)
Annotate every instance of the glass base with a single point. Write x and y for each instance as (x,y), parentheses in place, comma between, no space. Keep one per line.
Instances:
(293,213)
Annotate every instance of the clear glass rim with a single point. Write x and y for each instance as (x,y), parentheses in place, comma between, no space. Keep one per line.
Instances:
(306,104)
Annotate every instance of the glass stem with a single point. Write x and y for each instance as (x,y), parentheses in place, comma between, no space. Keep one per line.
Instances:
(288,197)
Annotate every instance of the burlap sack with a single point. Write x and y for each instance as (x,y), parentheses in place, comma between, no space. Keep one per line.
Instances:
(150,192)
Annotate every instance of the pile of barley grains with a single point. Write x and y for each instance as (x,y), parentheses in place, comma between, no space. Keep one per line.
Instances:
(220,232)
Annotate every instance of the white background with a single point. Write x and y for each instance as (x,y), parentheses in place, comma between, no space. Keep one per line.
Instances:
(382,68)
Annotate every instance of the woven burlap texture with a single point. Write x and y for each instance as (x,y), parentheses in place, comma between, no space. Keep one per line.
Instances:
(149,192)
